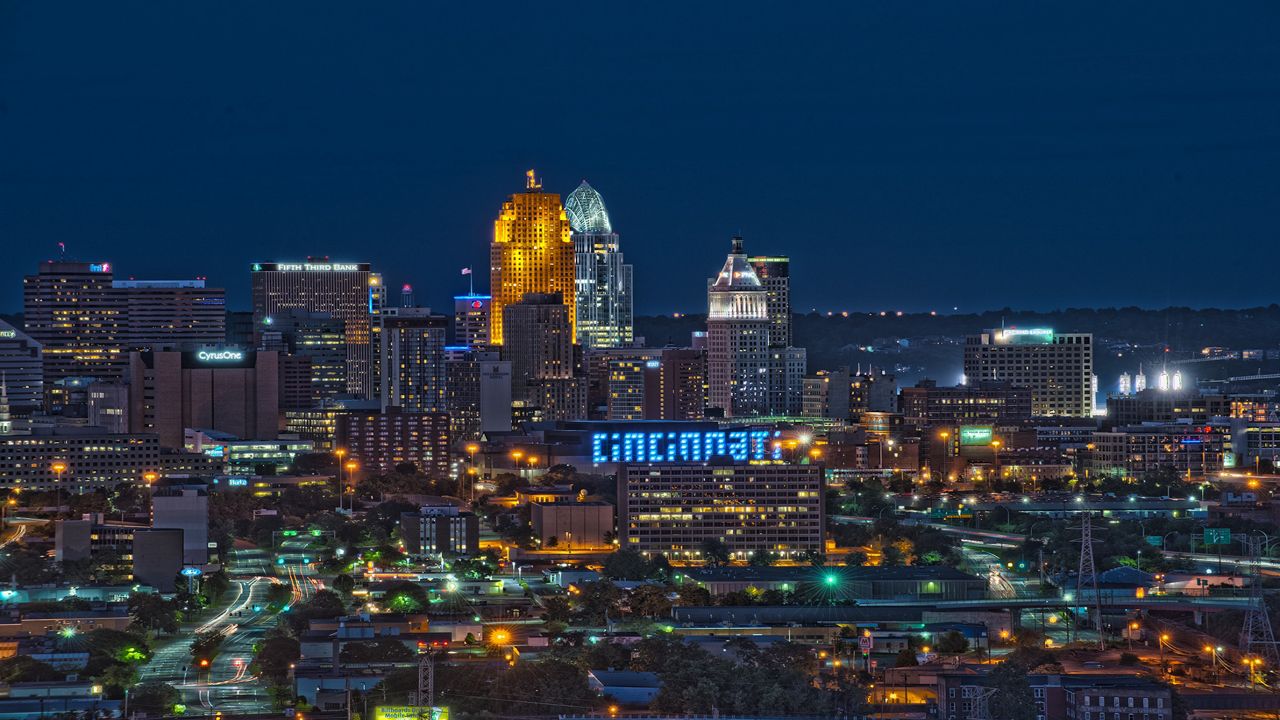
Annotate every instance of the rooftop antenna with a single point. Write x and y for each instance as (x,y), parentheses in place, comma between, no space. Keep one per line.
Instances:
(62,251)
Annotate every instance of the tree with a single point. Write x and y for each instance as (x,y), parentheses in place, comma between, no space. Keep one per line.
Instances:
(154,698)
(1013,699)
(906,658)
(404,596)
(715,552)
(23,668)
(598,600)
(276,653)
(953,643)
(279,595)
(627,564)
(556,609)
(650,601)
(152,613)
(344,584)
(324,604)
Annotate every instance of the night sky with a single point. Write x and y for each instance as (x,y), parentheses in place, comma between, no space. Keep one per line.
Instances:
(907,155)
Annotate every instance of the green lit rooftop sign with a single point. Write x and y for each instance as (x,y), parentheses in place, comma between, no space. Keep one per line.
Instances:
(976,435)
(1025,336)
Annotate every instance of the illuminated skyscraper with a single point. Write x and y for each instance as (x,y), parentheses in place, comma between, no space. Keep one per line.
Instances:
(471,319)
(347,291)
(775,275)
(412,354)
(603,280)
(532,252)
(71,310)
(738,339)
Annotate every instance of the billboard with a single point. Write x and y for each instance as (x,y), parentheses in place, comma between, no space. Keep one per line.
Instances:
(682,447)
(410,712)
(971,435)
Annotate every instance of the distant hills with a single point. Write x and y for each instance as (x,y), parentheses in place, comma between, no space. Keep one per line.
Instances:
(920,344)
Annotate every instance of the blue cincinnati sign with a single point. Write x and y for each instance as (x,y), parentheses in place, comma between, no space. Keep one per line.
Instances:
(674,447)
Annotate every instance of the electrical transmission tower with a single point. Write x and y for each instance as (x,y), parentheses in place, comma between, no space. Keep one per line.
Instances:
(1256,637)
(426,679)
(981,703)
(1087,576)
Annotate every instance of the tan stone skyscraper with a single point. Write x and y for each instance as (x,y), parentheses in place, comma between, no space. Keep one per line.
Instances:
(532,252)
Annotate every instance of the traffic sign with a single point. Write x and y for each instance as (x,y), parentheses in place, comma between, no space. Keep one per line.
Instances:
(1217,536)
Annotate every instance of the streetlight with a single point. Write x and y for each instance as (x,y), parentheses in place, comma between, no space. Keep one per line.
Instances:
(341,453)
(58,468)
(351,466)
(532,460)
(1133,628)
(1164,638)
(516,455)
(472,449)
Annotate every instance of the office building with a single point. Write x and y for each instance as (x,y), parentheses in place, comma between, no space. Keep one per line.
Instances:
(171,314)
(824,394)
(774,273)
(239,326)
(1136,450)
(320,424)
(787,367)
(978,403)
(570,524)
(108,406)
(440,528)
(539,342)
(379,441)
(635,388)
(297,392)
(348,292)
(321,338)
(412,356)
(964,694)
(596,365)
(89,457)
(684,384)
(232,390)
(479,393)
(75,540)
(1056,367)
(1166,406)
(532,252)
(186,510)
(21,369)
(603,280)
(471,320)
(247,457)
(672,509)
(70,309)
(158,557)
(738,358)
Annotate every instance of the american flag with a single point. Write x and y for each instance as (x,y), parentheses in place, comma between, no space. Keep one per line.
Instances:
(466,271)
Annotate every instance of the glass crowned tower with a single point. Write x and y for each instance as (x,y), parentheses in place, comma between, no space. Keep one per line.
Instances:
(738,338)
(602,281)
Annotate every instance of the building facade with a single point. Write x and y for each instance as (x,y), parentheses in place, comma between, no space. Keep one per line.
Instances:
(471,320)
(412,356)
(738,339)
(994,403)
(479,393)
(70,309)
(539,342)
(172,314)
(532,252)
(774,273)
(380,441)
(673,509)
(21,369)
(346,291)
(1056,367)
(603,291)
(230,390)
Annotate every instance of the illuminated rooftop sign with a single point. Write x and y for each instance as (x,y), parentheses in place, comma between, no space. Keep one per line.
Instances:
(7,333)
(220,355)
(675,447)
(100,267)
(1025,335)
(311,267)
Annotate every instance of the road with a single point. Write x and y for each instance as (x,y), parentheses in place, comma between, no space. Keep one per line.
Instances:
(226,685)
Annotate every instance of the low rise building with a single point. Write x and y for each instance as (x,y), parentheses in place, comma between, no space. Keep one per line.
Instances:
(572,524)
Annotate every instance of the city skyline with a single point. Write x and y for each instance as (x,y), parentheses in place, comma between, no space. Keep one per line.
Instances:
(890,136)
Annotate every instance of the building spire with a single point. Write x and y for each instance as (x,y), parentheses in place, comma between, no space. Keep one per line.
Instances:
(531,181)
(737,245)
